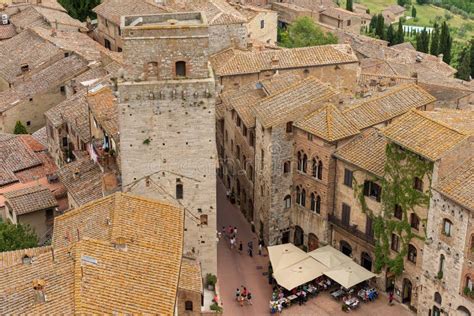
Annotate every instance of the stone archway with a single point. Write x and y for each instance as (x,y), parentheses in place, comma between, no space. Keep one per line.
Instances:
(463,311)
(366,260)
(298,239)
(313,242)
(407,292)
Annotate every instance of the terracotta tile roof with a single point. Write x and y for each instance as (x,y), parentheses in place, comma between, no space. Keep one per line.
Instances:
(386,106)
(10,258)
(29,200)
(366,151)
(104,107)
(278,82)
(190,276)
(112,10)
(25,48)
(294,102)
(41,137)
(83,180)
(459,185)
(244,102)
(462,120)
(42,81)
(27,17)
(59,17)
(328,123)
(218,12)
(422,135)
(239,62)
(395,8)
(338,13)
(405,45)
(7,31)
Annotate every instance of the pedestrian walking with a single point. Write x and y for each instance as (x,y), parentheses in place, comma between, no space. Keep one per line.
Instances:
(232,243)
(260,248)
(237,294)
(241,247)
(235,231)
(249,298)
(229,231)
(223,231)
(390,298)
(250,248)
(241,301)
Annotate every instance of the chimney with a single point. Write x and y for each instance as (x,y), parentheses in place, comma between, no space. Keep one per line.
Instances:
(121,244)
(38,287)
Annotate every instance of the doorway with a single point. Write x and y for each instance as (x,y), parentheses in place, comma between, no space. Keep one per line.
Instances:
(407,291)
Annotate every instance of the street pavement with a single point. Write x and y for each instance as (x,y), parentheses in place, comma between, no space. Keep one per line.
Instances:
(235,269)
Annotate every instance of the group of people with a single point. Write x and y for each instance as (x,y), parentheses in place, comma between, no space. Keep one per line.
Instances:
(231,233)
(243,295)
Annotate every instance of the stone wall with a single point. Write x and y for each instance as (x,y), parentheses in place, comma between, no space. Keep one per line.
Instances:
(191,296)
(267,33)
(223,36)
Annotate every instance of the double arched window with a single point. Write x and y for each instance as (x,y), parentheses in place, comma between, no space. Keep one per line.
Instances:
(300,196)
(315,203)
(302,161)
(317,168)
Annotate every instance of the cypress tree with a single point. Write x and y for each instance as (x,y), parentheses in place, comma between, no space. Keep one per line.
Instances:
(413,11)
(445,43)
(424,41)
(373,23)
(400,36)
(434,50)
(380,28)
(20,128)
(349,5)
(390,35)
(464,65)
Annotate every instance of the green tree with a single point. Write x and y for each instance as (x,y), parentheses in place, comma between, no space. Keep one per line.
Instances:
(349,5)
(403,2)
(472,58)
(421,2)
(380,27)
(400,36)
(20,128)
(390,35)
(434,49)
(80,9)
(445,43)
(13,237)
(413,11)
(373,23)
(423,41)
(304,32)
(464,64)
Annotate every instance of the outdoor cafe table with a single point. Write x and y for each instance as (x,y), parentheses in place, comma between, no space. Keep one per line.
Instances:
(352,302)
(337,294)
(292,297)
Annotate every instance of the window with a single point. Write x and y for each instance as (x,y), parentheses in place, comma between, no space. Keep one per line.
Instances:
(411,253)
(107,43)
(447,226)
(25,68)
(262,24)
(373,190)
(287,201)
(418,184)
(179,191)
(441,265)
(238,151)
(348,22)
(28,123)
(66,54)
(346,214)
(286,167)
(303,197)
(119,49)
(188,305)
(119,31)
(320,170)
(312,202)
(314,168)
(369,227)
(65,142)
(252,139)
(437,298)
(469,283)
(318,204)
(348,178)
(203,218)
(414,221)
(49,214)
(244,130)
(302,161)
(289,127)
(238,121)
(180,69)
(395,243)
(398,212)
(250,173)
(263,156)
(62,89)
(310,136)
(298,195)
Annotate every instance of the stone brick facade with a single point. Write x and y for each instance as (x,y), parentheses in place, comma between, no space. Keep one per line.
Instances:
(167,122)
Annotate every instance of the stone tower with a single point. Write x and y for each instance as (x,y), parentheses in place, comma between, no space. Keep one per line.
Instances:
(167,121)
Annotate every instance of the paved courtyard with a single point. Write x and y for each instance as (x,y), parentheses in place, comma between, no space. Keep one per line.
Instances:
(237,269)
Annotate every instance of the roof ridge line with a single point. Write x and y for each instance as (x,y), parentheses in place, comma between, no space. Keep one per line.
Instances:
(439,122)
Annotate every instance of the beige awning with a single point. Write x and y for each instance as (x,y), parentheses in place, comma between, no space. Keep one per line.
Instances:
(299,273)
(329,256)
(349,274)
(282,256)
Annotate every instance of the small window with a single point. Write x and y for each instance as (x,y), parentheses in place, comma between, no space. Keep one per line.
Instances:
(447,227)
(203,218)
(348,178)
(28,123)
(395,246)
(62,89)
(250,173)
(314,168)
(412,253)
(346,214)
(179,191)
(414,221)
(318,204)
(244,130)
(289,127)
(469,283)
(65,142)
(287,201)
(373,190)
(238,121)
(312,204)
(188,305)
(348,22)
(66,54)
(252,139)
(441,265)
(107,42)
(262,24)
(303,198)
(437,298)
(320,170)
(286,167)
(119,49)
(418,184)
(310,136)
(398,212)
(180,69)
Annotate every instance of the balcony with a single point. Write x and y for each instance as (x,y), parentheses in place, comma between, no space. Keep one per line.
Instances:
(352,229)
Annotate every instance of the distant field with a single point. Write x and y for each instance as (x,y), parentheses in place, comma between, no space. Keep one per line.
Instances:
(426,15)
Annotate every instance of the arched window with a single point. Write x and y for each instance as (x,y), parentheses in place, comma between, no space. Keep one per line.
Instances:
(469,283)
(318,204)
(305,163)
(313,202)
(314,168)
(180,69)
(437,298)
(412,253)
(179,191)
(298,195)
(366,261)
(414,221)
(345,248)
(398,212)
(463,311)
(447,227)
(303,197)
(188,305)
(287,201)
(300,161)
(320,170)
(286,167)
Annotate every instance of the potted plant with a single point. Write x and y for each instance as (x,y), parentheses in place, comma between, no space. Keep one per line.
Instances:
(344,308)
(211,281)
(215,307)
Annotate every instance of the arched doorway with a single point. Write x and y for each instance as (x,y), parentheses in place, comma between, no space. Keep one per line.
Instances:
(345,248)
(299,236)
(407,291)
(463,311)
(313,242)
(366,261)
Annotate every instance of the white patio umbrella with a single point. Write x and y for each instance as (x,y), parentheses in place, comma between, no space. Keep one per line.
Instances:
(349,274)
(329,256)
(299,273)
(282,256)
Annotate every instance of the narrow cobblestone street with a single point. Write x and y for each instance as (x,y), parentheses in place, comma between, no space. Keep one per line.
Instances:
(237,269)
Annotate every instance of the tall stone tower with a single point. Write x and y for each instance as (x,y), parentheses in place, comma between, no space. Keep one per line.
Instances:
(167,121)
